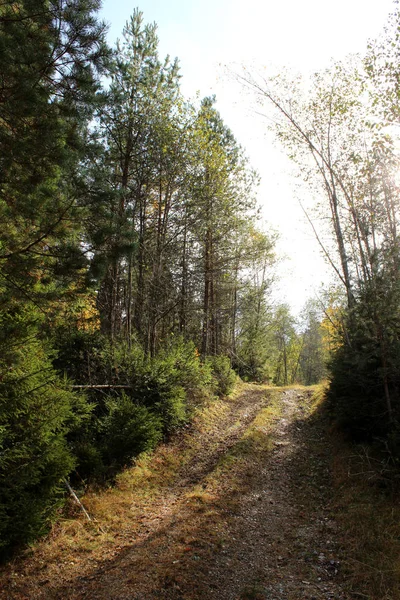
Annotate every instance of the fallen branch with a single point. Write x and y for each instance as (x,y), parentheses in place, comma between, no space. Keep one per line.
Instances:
(75,497)
(102,387)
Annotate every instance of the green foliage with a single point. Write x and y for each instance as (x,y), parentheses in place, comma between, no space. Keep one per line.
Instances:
(312,358)
(273,347)
(155,389)
(365,369)
(127,209)
(49,53)
(155,398)
(36,413)
(223,375)
(356,392)
(253,342)
(87,450)
(129,429)
(286,346)
(80,355)
(153,382)
(189,370)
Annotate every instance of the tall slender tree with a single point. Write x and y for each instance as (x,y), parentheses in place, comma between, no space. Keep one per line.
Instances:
(137,128)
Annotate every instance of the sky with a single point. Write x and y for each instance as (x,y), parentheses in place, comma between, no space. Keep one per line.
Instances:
(206,35)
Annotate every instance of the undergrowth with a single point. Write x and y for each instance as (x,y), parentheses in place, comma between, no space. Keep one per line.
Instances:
(362,502)
(139,491)
(367,508)
(365,503)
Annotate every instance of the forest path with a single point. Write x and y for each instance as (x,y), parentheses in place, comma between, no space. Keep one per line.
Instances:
(242,514)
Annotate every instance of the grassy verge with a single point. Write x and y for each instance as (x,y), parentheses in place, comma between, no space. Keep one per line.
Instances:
(140,495)
(369,515)
(366,507)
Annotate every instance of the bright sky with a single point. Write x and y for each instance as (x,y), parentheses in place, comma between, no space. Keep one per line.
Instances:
(207,34)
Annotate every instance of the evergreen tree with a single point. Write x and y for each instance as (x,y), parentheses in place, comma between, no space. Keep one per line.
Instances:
(141,140)
(48,59)
(49,55)
(36,413)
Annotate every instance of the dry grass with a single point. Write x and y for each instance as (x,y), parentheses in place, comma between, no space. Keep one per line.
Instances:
(366,506)
(194,513)
(75,546)
(370,521)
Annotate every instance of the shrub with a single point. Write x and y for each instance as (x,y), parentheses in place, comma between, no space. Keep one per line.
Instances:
(190,372)
(252,370)
(153,404)
(81,355)
(223,375)
(36,413)
(89,459)
(129,430)
(155,388)
(356,395)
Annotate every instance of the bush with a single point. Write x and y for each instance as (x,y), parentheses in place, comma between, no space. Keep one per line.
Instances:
(153,404)
(151,407)
(129,430)
(223,375)
(356,395)
(189,371)
(252,370)
(81,355)
(365,369)
(154,383)
(89,459)
(36,413)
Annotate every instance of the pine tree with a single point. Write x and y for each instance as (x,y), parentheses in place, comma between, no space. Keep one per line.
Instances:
(49,54)
(140,138)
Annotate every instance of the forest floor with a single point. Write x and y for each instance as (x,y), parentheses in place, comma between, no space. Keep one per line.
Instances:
(238,507)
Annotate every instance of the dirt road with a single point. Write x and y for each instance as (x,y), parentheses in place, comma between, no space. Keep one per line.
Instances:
(246,516)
